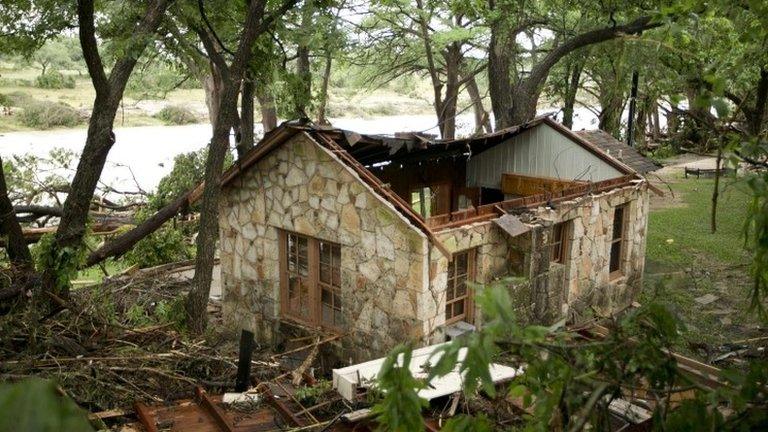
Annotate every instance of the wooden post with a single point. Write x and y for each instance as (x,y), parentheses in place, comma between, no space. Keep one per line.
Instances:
(244,363)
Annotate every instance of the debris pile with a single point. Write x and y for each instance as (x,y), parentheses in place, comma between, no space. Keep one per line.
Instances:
(119,342)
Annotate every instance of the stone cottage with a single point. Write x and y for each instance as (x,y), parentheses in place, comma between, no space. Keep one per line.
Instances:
(376,237)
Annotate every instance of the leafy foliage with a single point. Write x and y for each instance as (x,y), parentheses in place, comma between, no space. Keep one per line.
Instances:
(36,405)
(188,170)
(64,262)
(400,405)
(167,244)
(567,382)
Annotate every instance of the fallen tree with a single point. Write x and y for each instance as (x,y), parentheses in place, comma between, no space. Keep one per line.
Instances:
(126,241)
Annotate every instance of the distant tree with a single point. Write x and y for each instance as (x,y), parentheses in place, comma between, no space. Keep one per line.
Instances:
(58,54)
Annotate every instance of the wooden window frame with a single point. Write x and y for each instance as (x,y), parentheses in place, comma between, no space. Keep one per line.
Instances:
(314,318)
(468,297)
(620,240)
(559,246)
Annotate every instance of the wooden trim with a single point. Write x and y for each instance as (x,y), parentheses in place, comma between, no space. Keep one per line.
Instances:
(313,257)
(613,275)
(468,315)
(282,240)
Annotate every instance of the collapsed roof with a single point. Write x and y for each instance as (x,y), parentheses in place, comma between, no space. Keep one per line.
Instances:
(361,152)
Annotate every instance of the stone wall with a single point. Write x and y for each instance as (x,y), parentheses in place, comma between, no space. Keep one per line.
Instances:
(302,187)
(554,290)
(392,282)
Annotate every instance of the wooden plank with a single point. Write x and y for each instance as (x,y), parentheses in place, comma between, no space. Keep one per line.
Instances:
(145,417)
(283,410)
(214,411)
(523,185)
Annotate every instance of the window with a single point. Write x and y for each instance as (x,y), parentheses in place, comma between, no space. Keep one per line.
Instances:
(617,240)
(458,305)
(310,280)
(422,201)
(330,284)
(559,243)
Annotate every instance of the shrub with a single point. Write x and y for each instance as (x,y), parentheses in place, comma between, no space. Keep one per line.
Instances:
(46,115)
(55,80)
(176,115)
(18,99)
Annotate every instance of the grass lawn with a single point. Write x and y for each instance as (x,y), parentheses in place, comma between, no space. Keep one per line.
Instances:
(685,261)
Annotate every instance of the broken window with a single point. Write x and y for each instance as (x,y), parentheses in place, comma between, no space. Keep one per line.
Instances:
(422,201)
(461,270)
(311,280)
(559,243)
(617,240)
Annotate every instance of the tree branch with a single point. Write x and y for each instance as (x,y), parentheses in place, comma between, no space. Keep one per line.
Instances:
(90,47)
(540,71)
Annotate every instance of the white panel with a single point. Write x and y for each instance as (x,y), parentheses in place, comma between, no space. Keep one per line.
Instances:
(541,151)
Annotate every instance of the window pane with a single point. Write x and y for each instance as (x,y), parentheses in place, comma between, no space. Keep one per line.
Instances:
(458,308)
(461,263)
(327,314)
(615,256)
(327,297)
(461,289)
(618,222)
(325,273)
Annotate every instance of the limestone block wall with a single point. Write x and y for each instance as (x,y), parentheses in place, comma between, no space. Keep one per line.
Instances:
(586,272)
(555,289)
(302,187)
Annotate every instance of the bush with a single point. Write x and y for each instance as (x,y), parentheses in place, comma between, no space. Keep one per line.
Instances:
(176,115)
(55,80)
(17,99)
(46,115)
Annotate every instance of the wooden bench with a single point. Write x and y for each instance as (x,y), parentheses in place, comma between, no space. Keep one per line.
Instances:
(708,172)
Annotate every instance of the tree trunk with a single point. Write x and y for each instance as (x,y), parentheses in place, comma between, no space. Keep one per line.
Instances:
(757,117)
(197,300)
(655,120)
(16,245)
(100,137)
(321,118)
(716,188)
(303,67)
(267,108)
(246,118)
(482,119)
(447,107)
(500,51)
(574,81)
(212,87)
(516,104)
(255,24)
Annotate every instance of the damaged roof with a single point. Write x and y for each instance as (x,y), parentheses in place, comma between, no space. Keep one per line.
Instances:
(361,151)
(619,150)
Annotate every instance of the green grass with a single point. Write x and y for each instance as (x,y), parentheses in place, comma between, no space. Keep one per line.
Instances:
(681,235)
(685,260)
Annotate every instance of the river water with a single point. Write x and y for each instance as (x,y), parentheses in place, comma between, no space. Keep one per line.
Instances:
(146,153)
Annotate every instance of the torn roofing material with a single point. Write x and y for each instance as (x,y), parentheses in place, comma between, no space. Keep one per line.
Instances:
(347,380)
(360,151)
(619,150)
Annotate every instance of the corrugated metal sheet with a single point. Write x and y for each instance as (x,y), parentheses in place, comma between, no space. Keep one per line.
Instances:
(541,151)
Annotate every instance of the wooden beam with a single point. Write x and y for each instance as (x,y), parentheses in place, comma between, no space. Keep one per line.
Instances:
(213,410)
